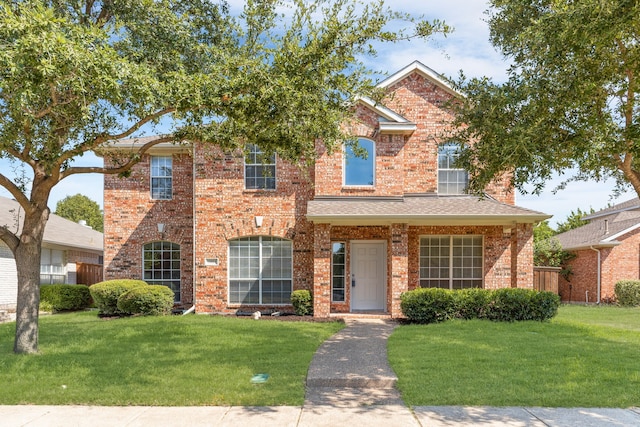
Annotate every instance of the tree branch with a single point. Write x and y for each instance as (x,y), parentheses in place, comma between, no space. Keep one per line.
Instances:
(14,190)
(122,168)
(101,139)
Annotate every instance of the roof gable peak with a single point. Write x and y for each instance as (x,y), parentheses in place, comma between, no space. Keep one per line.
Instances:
(422,70)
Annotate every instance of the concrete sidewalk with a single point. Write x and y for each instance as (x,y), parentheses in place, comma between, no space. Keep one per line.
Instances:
(322,415)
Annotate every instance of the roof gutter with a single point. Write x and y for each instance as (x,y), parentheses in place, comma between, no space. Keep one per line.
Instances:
(599,280)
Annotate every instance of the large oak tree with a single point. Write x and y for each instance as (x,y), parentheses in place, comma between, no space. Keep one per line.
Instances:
(570,102)
(76,74)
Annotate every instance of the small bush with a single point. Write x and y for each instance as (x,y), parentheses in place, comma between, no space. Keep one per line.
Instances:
(64,297)
(105,294)
(428,305)
(628,293)
(302,302)
(471,303)
(151,300)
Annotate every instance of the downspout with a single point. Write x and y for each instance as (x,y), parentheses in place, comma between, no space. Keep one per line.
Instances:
(193,230)
(599,272)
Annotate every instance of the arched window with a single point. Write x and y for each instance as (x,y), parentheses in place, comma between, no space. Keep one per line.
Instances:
(360,163)
(451,180)
(162,265)
(260,270)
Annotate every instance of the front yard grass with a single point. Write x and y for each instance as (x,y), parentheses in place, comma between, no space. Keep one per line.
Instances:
(167,361)
(585,357)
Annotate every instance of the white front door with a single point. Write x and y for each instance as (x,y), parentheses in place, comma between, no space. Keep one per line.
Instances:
(368,275)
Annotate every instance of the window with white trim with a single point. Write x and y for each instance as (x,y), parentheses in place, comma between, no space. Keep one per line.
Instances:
(360,163)
(451,262)
(162,265)
(52,267)
(338,271)
(259,170)
(451,180)
(260,270)
(161,177)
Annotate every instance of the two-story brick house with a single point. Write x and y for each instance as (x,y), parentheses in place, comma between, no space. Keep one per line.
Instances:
(229,231)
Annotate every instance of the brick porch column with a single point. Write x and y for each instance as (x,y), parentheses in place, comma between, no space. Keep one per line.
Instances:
(399,267)
(321,270)
(522,257)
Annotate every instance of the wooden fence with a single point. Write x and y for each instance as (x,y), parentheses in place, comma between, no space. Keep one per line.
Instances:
(88,274)
(546,278)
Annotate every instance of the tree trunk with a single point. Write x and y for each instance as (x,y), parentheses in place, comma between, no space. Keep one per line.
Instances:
(27,256)
(28,303)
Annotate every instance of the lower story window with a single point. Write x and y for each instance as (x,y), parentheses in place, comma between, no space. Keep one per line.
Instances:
(260,270)
(52,267)
(451,262)
(338,263)
(162,265)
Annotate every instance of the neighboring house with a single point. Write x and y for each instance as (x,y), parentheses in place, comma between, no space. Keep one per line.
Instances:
(607,250)
(232,232)
(65,247)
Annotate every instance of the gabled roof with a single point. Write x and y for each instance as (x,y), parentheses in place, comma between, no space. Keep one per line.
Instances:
(388,120)
(605,227)
(418,209)
(424,71)
(59,231)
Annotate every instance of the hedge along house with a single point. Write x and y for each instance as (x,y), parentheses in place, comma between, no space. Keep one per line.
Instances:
(229,231)
(67,247)
(606,249)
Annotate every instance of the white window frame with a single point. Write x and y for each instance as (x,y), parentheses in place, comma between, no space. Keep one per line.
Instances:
(260,278)
(458,185)
(156,192)
(335,276)
(252,160)
(169,270)
(371,157)
(469,262)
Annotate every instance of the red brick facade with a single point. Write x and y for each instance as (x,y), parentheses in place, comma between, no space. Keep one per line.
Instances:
(211,207)
(617,263)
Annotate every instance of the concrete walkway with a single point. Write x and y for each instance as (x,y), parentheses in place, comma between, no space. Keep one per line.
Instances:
(349,383)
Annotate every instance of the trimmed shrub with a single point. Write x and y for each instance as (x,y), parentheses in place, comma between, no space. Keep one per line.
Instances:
(628,293)
(428,305)
(105,294)
(510,304)
(148,300)
(545,305)
(64,297)
(302,302)
(471,303)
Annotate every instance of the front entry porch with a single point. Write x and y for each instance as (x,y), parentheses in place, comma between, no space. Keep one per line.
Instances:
(360,271)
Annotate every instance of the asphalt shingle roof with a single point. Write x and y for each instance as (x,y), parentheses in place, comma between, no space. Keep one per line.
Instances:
(604,227)
(418,209)
(59,231)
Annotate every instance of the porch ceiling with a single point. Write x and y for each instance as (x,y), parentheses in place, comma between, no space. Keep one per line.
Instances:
(418,209)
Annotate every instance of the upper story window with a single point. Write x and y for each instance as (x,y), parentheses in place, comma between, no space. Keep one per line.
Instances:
(259,170)
(360,163)
(161,177)
(451,180)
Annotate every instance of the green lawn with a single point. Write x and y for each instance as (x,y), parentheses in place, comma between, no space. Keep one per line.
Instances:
(173,360)
(586,356)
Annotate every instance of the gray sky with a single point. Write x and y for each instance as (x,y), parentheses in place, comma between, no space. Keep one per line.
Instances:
(467,49)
